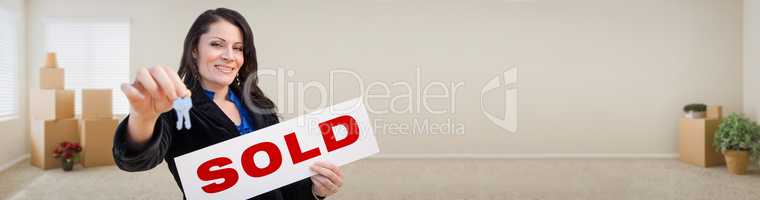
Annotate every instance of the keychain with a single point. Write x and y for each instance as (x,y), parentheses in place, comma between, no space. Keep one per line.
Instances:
(182,108)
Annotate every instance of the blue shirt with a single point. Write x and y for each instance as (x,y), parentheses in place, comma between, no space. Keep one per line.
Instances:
(245,122)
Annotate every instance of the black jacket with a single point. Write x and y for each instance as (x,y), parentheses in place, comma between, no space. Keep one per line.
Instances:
(209,126)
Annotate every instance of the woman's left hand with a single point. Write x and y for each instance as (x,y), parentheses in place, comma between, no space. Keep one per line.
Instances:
(328,179)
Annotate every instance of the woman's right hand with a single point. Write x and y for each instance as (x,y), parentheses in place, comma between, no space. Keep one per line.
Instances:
(151,94)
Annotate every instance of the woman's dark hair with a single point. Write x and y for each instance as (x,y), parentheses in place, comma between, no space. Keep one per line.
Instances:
(188,69)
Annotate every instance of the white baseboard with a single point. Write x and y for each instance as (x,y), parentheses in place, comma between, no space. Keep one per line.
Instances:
(525,156)
(10,164)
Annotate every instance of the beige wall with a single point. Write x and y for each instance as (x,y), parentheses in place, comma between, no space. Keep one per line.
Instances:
(596,77)
(751,73)
(14,142)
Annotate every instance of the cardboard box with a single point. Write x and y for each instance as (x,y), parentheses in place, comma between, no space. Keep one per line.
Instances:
(51,78)
(696,142)
(714,112)
(97,141)
(97,104)
(46,135)
(51,104)
(51,60)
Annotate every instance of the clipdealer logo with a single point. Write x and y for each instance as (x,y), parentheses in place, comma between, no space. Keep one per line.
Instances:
(506,82)
(437,97)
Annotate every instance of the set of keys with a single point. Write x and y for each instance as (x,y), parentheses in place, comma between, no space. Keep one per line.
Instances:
(182,107)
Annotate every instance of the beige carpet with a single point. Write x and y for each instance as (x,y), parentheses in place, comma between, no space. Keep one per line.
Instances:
(427,179)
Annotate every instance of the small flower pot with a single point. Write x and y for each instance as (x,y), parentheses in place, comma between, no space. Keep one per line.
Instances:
(695,115)
(68,164)
(736,161)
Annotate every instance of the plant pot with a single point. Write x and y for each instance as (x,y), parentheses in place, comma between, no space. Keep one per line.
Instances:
(695,115)
(736,161)
(68,164)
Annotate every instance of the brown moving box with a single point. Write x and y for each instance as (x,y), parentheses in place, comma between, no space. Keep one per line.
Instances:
(51,78)
(51,60)
(696,142)
(97,104)
(51,104)
(46,135)
(97,140)
(714,112)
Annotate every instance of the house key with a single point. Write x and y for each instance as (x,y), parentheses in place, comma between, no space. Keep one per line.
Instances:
(182,108)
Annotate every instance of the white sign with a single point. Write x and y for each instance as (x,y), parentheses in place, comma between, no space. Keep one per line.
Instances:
(269,158)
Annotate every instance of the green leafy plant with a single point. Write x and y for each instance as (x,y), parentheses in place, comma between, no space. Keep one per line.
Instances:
(737,132)
(695,107)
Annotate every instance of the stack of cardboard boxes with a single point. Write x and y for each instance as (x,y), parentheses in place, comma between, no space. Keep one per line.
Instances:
(52,115)
(53,120)
(97,127)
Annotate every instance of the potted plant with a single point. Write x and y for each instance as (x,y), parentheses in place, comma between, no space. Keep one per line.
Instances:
(68,152)
(695,110)
(738,138)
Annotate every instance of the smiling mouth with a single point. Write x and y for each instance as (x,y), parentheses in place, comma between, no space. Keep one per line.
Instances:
(224,69)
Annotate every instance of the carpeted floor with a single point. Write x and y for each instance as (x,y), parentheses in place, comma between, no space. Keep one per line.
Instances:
(427,179)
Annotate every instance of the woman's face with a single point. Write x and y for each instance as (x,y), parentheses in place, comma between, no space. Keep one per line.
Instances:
(219,55)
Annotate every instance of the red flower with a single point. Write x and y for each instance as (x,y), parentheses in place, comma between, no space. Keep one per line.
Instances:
(67,150)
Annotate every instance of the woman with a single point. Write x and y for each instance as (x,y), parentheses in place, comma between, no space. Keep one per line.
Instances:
(218,56)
